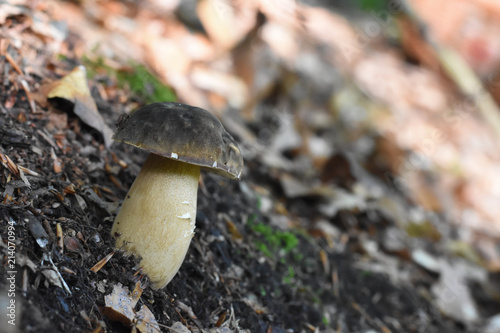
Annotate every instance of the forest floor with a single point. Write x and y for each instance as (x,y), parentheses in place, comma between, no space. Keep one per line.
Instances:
(358,209)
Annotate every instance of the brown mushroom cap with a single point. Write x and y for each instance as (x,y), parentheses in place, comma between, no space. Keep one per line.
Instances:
(185,133)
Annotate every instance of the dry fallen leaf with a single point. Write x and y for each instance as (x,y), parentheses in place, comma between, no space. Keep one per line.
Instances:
(52,277)
(7,10)
(120,306)
(227,23)
(73,87)
(453,296)
(146,321)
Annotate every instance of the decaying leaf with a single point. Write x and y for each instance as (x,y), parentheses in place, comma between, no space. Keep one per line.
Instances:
(145,321)
(225,24)
(178,327)
(233,229)
(8,9)
(52,277)
(73,87)
(37,231)
(120,306)
(453,297)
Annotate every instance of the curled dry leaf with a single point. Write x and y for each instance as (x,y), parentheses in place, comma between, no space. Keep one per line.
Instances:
(73,87)
(146,321)
(52,277)
(120,306)
(9,9)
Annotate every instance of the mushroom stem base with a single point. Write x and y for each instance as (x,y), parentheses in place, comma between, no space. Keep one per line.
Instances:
(157,218)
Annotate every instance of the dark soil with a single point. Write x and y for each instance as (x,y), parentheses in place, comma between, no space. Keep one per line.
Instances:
(251,268)
(221,273)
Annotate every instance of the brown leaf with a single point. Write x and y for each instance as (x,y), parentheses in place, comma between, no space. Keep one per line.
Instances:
(337,170)
(120,307)
(227,23)
(7,10)
(233,229)
(146,321)
(73,87)
(72,244)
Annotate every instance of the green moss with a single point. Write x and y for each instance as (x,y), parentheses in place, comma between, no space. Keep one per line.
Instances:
(137,78)
(251,219)
(298,256)
(275,239)
(96,66)
(290,275)
(262,247)
(365,273)
(272,241)
(290,241)
(144,84)
(259,202)
(372,5)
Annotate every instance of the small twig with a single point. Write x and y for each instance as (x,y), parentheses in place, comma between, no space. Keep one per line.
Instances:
(60,276)
(31,101)
(13,63)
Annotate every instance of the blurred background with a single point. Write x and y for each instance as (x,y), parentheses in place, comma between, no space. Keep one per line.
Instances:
(358,106)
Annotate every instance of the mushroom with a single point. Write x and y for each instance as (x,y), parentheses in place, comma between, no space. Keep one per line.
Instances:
(157,219)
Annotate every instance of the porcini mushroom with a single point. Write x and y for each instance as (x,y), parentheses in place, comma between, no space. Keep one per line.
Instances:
(157,218)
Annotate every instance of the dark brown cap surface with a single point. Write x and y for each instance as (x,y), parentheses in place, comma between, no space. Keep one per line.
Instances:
(185,133)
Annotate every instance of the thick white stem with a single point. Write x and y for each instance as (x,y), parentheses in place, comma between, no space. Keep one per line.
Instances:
(157,218)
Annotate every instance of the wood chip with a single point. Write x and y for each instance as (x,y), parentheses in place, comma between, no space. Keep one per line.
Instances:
(28,171)
(9,164)
(100,264)
(69,189)
(47,138)
(28,94)
(60,237)
(56,161)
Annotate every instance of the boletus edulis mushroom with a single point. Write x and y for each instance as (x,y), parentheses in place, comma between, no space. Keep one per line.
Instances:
(157,219)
